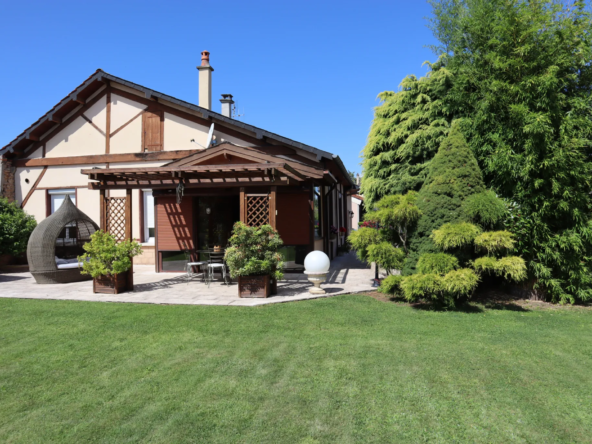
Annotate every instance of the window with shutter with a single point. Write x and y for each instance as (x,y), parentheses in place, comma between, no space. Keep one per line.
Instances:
(153,128)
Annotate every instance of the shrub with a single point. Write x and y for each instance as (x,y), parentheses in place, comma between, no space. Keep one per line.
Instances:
(386,256)
(512,267)
(495,241)
(254,251)
(458,235)
(391,285)
(16,227)
(106,257)
(437,263)
(509,267)
(362,238)
(460,283)
(422,286)
(485,209)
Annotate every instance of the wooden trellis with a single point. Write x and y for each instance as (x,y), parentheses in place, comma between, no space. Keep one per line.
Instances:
(258,209)
(115,217)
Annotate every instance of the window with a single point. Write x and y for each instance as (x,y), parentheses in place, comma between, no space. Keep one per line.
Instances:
(148,215)
(56,198)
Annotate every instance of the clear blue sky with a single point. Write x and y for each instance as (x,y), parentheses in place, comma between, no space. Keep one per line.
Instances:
(309,71)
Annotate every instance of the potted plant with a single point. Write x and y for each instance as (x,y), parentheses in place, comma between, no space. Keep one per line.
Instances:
(342,231)
(254,259)
(108,262)
(333,233)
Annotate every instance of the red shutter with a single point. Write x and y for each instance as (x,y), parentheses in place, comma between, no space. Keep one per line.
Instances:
(174,223)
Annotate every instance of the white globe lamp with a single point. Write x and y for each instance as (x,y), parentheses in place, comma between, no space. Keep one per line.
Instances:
(316,266)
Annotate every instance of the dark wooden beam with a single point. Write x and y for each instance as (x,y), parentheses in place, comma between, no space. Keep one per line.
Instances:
(105,158)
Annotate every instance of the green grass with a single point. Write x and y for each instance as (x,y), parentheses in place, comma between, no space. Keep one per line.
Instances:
(343,369)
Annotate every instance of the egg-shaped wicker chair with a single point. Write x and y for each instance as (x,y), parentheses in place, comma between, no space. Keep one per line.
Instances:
(55,244)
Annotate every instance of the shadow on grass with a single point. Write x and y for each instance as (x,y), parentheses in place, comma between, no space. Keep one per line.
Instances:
(491,300)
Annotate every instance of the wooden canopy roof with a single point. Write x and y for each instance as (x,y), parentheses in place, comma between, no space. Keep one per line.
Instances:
(226,165)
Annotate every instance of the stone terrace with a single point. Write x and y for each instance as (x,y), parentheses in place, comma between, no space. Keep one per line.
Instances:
(347,275)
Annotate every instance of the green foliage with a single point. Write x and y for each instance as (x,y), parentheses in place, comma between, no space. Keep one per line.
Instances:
(457,235)
(485,209)
(391,285)
(422,286)
(362,238)
(522,79)
(436,263)
(106,257)
(509,267)
(453,176)
(254,251)
(16,227)
(460,284)
(396,214)
(386,256)
(407,130)
(495,241)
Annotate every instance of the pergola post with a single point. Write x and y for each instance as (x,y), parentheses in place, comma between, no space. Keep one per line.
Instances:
(243,206)
(128,234)
(103,211)
(272,207)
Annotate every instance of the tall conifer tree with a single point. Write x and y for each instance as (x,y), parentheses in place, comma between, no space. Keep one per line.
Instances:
(453,176)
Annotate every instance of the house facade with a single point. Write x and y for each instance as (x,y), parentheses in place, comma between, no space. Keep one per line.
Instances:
(173,174)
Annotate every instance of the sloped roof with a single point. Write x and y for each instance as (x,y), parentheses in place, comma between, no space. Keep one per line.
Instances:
(96,80)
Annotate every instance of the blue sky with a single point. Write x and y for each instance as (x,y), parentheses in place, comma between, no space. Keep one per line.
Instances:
(309,71)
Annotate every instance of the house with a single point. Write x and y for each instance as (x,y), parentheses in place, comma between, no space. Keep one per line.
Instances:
(357,210)
(175,175)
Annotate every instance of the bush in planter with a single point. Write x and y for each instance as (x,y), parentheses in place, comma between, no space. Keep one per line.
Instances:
(254,251)
(106,257)
(16,227)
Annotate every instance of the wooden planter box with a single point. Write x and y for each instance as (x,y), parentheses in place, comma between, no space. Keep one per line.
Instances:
(254,286)
(110,284)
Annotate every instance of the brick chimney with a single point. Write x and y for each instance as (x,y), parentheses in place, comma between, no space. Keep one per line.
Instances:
(205,81)
(227,103)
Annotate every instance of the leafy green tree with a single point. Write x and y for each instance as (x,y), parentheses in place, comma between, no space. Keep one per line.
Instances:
(453,176)
(16,227)
(523,82)
(407,130)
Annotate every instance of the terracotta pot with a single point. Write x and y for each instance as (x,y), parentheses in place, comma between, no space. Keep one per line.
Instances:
(254,286)
(110,284)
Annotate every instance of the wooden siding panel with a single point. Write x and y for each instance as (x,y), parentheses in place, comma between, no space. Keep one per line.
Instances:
(292,219)
(174,223)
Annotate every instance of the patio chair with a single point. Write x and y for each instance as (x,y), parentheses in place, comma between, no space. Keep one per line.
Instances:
(189,267)
(216,262)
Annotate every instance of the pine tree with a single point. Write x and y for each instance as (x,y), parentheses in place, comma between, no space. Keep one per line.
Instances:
(407,130)
(453,176)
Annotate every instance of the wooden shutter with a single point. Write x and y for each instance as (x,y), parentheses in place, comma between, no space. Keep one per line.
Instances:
(153,128)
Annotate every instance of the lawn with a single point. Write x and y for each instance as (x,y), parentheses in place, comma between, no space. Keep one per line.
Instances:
(343,369)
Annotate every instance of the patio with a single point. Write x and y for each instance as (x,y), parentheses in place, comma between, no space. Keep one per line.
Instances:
(346,276)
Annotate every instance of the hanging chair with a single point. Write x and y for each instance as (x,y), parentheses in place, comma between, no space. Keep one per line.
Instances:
(57,242)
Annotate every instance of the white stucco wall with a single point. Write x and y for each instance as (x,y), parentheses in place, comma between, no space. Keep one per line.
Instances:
(128,140)
(122,110)
(36,205)
(178,133)
(21,186)
(77,139)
